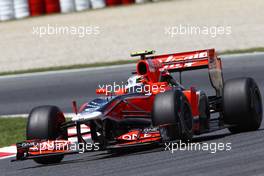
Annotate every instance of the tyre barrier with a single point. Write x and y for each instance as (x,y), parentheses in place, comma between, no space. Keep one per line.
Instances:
(21,9)
(6,10)
(142,1)
(81,5)
(17,9)
(36,7)
(113,2)
(128,2)
(67,6)
(97,4)
(52,6)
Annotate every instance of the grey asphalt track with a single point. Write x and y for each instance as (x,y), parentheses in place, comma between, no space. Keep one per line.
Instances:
(19,94)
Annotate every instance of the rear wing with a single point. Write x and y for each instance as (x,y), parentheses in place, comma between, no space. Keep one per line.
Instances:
(195,60)
(185,61)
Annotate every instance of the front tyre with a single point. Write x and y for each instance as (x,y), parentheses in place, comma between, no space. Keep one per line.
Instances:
(172,112)
(242,105)
(44,122)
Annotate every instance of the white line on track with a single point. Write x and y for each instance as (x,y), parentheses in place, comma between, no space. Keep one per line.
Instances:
(68,115)
(66,71)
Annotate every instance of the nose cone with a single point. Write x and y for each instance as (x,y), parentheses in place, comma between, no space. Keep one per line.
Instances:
(88,116)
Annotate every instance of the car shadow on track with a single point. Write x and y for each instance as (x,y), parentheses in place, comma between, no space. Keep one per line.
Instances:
(129,152)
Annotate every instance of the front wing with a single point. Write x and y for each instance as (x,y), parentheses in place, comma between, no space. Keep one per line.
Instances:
(31,149)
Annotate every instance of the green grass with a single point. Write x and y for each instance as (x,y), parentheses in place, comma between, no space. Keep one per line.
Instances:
(12,130)
(241,51)
(78,66)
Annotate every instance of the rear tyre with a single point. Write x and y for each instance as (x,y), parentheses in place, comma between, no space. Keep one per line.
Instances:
(204,110)
(44,123)
(242,105)
(171,110)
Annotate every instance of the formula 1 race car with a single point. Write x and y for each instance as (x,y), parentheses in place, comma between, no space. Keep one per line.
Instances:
(152,108)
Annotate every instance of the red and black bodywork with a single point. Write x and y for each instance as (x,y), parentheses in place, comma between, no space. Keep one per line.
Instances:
(164,111)
(128,116)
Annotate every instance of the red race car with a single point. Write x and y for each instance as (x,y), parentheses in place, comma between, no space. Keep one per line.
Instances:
(152,108)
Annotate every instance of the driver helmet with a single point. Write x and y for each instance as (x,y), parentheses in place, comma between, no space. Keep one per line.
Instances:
(133,81)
